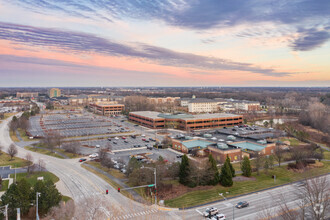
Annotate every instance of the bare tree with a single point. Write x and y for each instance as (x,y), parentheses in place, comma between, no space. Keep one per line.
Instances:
(29,158)
(63,211)
(258,161)
(102,154)
(1,148)
(72,147)
(279,154)
(41,164)
(12,151)
(314,196)
(51,140)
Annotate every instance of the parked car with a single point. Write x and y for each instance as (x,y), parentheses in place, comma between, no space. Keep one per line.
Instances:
(242,204)
(133,136)
(109,139)
(136,125)
(116,138)
(179,156)
(151,139)
(97,146)
(143,139)
(210,212)
(123,138)
(125,141)
(143,135)
(82,159)
(93,155)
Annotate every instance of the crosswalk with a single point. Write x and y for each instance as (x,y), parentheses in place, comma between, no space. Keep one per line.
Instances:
(137,214)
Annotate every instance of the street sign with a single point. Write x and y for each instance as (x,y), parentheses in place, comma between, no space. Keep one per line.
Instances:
(151,185)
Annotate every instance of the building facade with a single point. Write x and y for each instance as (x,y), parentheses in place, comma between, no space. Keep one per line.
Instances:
(107,108)
(27,94)
(156,120)
(162,100)
(203,106)
(54,92)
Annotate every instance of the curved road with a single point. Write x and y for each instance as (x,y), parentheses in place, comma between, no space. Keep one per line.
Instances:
(80,184)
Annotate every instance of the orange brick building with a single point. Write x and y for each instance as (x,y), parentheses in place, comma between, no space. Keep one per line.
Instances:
(152,119)
(107,109)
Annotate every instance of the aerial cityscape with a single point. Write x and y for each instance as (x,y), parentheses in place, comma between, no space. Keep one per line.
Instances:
(165,109)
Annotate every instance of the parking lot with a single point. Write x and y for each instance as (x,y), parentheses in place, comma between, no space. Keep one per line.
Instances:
(73,125)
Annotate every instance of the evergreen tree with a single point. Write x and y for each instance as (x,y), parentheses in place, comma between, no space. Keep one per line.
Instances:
(184,170)
(49,195)
(214,170)
(25,191)
(246,167)
(226,177)
(12,198)
(230,166)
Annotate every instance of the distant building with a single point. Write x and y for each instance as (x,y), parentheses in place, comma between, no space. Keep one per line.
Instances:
(87,99)
(54,92)
(27,95)
(203,106)
(107,108)
(156,120)
(162,100)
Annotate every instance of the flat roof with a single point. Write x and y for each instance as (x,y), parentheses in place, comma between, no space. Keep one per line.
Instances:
(248,145)
(208,116)
(196,143)
(147,114)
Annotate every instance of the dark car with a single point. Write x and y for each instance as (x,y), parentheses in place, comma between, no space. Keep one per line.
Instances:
(136,125)
(82,159)
(115,142)
(109,139)
(179,156)
(242,204)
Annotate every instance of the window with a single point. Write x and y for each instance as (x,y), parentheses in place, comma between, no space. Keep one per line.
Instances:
(235,158)
(272,151)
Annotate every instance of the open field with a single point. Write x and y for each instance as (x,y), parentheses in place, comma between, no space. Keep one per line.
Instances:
(23,135)
(283,176)
(32,178)
(16,162)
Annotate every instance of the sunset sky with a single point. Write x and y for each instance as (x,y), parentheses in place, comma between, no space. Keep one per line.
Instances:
(164,43)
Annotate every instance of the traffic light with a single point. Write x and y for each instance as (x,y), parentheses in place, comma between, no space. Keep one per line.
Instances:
(106,192)
(118,189)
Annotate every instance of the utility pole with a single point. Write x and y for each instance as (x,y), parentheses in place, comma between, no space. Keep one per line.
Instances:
(155,186)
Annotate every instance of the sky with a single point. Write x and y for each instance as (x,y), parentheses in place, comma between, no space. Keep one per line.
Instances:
(164,43)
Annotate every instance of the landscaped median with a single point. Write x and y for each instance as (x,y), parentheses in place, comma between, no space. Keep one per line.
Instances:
(57,152)
(246,185)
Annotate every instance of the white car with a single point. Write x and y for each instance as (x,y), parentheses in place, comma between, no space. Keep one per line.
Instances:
(143,135)
(116,138)
(94,155)
(219,217)
(210,212)
(97,146)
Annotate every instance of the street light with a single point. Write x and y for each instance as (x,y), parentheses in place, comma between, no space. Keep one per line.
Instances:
(37,215)
(221,194)
(155,173)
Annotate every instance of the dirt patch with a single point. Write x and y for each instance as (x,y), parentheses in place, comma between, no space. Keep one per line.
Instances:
(243,178)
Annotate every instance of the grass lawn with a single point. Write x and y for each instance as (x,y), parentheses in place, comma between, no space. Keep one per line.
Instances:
(4,185)
(262,181)
(13,136)
(32,178)
(112,172)
(7,115)
(66,198)
(326,155)
(23,135)
(43,151)
(70,155)
(16,162)
(112,183)
(237,166)
(293,141)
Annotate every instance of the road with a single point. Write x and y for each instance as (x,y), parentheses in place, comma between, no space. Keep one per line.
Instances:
(260,203)
(80,184)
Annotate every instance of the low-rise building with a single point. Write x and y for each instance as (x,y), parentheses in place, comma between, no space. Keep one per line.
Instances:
(107,108)
(162,100)
(203,106)
(27,94)
(54,92)
(155,120)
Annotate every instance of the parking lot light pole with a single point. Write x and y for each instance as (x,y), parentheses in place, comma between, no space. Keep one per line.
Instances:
(37,215)
(221,194)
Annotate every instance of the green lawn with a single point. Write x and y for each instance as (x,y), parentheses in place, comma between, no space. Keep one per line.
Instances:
(4,185)
(23,135)
(70,155)
(326,155)
(43,151)
(32,178)
(112,172)
(16,162)
(293,141)
(66,198)
(263,181)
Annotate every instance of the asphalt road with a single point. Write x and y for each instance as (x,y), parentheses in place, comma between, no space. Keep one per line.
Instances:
(80,184)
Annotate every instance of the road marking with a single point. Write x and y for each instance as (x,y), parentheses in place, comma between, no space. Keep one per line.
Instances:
(199,212)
